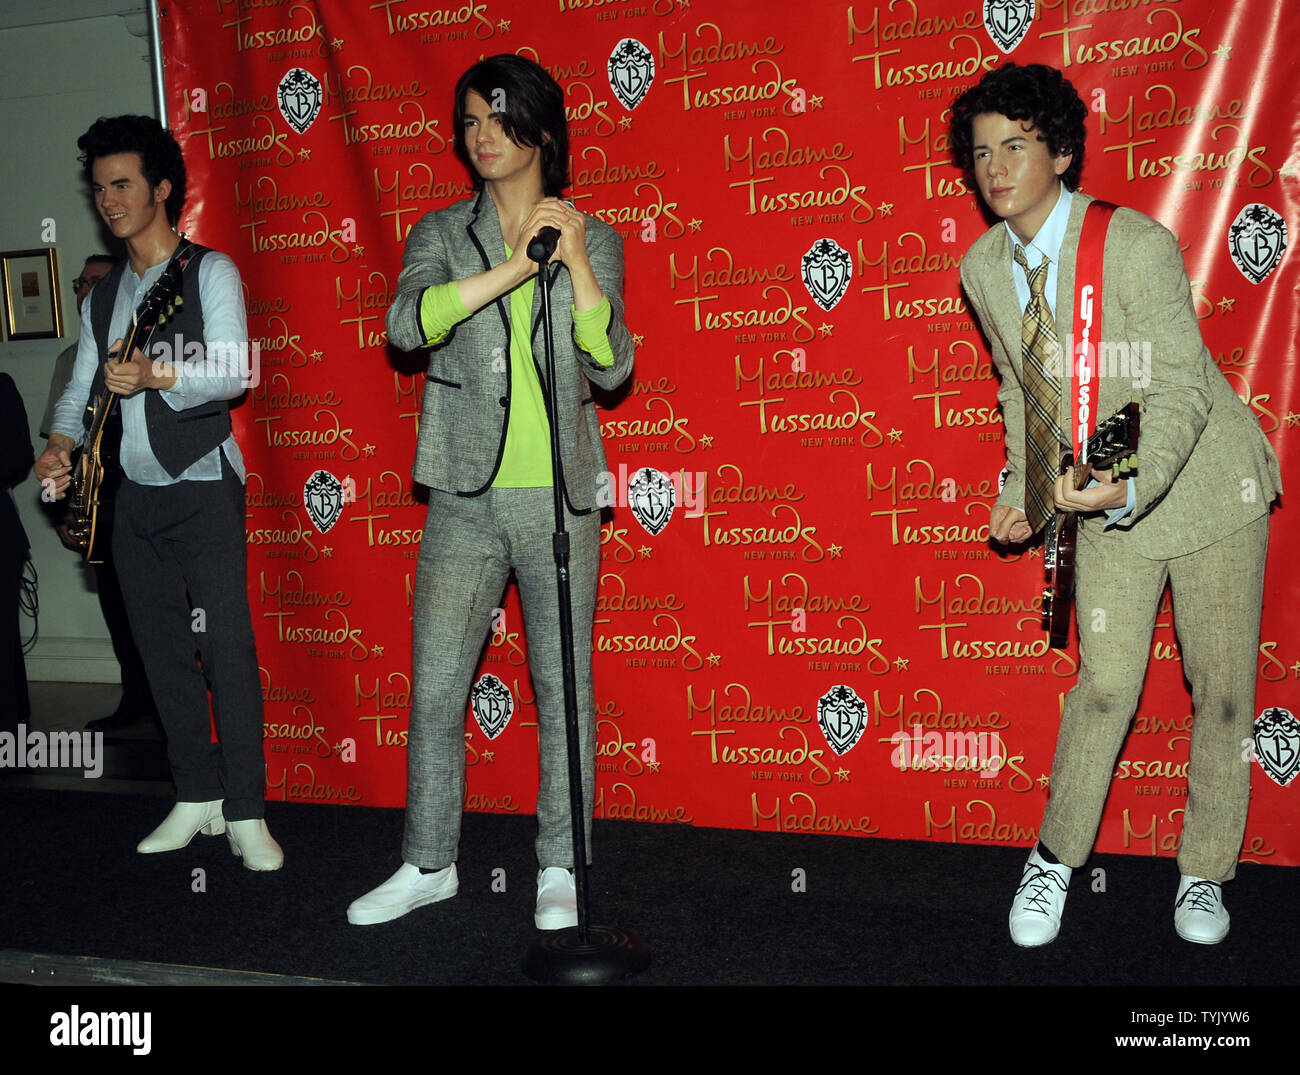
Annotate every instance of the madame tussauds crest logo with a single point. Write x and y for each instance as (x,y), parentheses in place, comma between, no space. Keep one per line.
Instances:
(1007,21)
(300,99)
(652,499)
(842,716)
(322,496)
(492,705)
(1257,241)
(631,70)
(652,495)
(827,268)
(1277,745)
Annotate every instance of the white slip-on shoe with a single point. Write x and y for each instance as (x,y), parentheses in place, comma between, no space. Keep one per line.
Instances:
(406,890)
(557,899)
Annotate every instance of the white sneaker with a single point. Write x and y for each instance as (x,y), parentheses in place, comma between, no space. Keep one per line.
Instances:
(406,890)
(1036,911)
(1199,914)
(557,899)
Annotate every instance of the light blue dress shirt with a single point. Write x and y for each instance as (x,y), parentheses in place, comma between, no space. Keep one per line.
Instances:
(218,377)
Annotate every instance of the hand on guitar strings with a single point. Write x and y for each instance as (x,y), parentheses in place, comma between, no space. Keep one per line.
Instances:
(1106,495)
(125,378)
(54,466)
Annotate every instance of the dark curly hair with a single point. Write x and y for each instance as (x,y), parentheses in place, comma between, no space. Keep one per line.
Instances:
(533,107)
(1033,92)
(160,154)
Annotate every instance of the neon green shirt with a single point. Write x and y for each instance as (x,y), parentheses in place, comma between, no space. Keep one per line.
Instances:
(526,459)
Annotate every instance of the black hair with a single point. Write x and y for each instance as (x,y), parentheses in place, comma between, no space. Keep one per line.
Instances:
(1035,93)
(160,154)
(105,259)
(532,108)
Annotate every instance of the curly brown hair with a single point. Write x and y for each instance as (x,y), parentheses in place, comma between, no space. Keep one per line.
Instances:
(1033,92)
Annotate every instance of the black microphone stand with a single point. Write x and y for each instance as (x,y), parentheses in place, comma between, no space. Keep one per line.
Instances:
(582,954)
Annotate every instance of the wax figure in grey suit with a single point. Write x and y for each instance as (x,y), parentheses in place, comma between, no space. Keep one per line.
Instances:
(1195,514)
(483,451)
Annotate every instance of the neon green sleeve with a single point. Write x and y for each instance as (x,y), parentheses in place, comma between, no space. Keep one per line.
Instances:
(440,311)
(590,330)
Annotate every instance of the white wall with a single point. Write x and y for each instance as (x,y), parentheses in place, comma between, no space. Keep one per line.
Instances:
(56,78)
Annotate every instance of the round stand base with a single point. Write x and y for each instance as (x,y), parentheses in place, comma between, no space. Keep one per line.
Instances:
(557,957)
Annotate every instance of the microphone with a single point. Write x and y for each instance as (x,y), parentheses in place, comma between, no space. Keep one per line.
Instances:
(543,243)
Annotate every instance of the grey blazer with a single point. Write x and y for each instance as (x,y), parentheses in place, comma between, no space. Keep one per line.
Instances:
(466,401)
(1205,468)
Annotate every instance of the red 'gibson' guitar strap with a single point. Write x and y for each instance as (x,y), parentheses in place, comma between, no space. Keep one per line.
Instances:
(1087,324)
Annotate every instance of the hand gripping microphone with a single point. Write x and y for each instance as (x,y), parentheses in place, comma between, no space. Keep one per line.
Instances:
(543,243)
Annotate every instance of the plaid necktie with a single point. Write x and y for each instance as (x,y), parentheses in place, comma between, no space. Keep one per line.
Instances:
(1041,364)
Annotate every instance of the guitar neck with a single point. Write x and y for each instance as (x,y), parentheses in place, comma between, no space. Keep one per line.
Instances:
(140,335)
(104,404)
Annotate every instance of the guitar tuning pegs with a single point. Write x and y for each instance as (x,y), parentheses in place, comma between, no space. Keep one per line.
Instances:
(180,301)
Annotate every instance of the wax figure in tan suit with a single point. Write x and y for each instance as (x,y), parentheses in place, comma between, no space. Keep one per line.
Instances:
(1195,514)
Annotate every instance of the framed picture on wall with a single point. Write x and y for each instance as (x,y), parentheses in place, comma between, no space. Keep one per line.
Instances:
(31,292)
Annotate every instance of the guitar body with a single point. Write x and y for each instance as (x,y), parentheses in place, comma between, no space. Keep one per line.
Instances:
(1114,445)
(88,499)
(1058,595)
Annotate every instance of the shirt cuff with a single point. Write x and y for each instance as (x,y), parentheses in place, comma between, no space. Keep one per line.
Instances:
(440,311)
(174,396)
(591,331)
(1115,516)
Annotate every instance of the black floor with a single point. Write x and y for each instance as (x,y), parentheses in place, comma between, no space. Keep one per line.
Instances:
(717,908)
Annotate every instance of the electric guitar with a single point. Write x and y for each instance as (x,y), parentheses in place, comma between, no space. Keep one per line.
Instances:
(1112,446)
(86,499)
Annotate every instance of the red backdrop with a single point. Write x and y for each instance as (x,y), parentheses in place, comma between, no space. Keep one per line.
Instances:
(833,468)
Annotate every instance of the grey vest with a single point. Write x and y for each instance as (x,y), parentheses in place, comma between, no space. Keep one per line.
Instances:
(178,439)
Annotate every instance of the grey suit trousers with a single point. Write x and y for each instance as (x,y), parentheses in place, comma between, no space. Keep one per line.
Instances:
(180,549)
(1217,596)
(469,547)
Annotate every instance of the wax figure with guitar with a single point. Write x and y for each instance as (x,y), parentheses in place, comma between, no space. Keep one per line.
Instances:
(1194,513)
(136,704)
(170,320)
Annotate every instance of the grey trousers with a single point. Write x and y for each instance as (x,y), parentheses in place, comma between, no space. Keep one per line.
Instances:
(181,557)
(1217,597)
(469,547)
